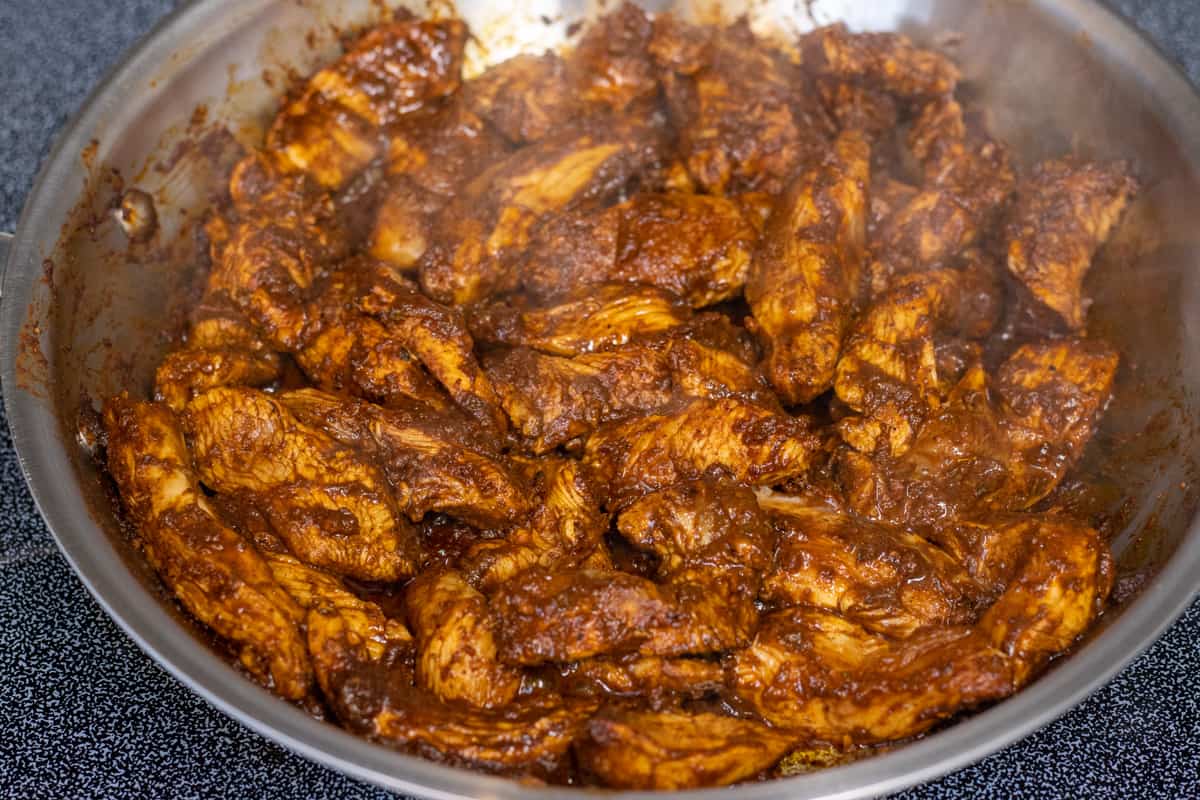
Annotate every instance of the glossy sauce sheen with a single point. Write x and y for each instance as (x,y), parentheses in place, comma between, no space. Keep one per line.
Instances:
(647,415)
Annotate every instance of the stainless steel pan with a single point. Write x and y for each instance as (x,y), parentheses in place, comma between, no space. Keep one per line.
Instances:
(1054,72)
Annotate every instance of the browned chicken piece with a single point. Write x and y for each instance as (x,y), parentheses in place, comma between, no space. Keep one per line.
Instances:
(888,370)
(1052,575)
(887,61)
(377,331)
(492,218)
(731,437)
(565,530)
(221,349)
(804,282)
(1065,211)
(660,681)
(611,68)
(860,107)
(746,121)
(433,460)
(817,674)
(456,644)
(552,400)
(329,503)
(216,575)
(665,750)
(527,97)
(584,320)
(884,578)
(438,336)
(993,446)
(429,157)
(967,181)
(287,236)
(887,197)
(332,130)
(530,736)
(330,606)
(371,690)
(353,353)
(695,246)
(713,545)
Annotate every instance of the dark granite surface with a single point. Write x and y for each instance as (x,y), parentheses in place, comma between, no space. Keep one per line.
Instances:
(83,713)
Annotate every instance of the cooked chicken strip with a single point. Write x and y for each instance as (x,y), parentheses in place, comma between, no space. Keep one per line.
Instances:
(222,349)
(745,120)
(371,690)
(434,461)
(732,437)
(888,370)
(330,504)
(331,131)
(1002,449)
(695,246)
(375,326)
(1053,574)
(659,680)
(331,608)
(888,61)
(886,579)
(1065,211)
(804,283)
(287,236)
(456,645)
(552,400)
(526,98)
(713,545)
(492,219)
(677,750)
(967,181)
(584,320)
(430,157)
(818,674)
(565,530)
(217,576)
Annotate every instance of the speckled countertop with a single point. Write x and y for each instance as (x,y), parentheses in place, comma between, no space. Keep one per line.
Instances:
(83,713)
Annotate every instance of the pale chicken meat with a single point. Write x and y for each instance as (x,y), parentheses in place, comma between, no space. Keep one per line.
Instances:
(804,283)
(822,676)
(217,576)
(1065,211)
(332,506)
(695,246)
(584,320)
(492,219)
